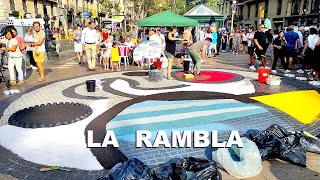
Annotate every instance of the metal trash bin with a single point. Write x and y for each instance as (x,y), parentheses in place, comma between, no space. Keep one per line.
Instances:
(91,85)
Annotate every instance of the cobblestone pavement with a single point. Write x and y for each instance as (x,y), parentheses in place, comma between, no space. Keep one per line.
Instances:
(65,82)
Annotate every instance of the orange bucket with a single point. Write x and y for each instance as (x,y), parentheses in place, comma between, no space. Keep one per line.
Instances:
(263,74)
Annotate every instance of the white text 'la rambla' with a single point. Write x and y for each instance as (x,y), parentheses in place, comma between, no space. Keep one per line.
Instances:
(187,139)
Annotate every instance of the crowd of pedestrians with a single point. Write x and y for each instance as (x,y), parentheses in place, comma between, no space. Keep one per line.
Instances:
(31,47)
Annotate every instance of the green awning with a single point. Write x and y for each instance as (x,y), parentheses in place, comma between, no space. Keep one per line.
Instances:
(167,18)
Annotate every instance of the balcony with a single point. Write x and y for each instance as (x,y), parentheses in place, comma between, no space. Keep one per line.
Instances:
(55,1)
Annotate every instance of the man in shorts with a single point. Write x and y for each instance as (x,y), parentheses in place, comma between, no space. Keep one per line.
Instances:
(39,48)
(261,44)
(250,37)
(170,49)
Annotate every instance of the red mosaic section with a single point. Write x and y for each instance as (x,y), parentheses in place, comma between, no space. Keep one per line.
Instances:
(208,77)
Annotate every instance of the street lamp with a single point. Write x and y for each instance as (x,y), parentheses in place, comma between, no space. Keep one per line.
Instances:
(233,8)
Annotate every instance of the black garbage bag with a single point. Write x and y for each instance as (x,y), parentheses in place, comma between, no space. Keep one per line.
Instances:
(277,142)
(177,169)
(309,142)
(129,170)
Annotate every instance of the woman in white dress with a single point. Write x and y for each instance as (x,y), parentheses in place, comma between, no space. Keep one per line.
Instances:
(77,44)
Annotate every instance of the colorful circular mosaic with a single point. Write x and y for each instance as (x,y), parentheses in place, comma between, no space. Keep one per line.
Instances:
(210,77)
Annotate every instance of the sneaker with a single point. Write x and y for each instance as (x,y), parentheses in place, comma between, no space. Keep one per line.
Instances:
(307,70)
(315,83)
(34,68)
(266,67)
(12,82)
(311,78)
(20,82)
(237,53)
(274,72)
(300,71)
(287,71)
(252,68)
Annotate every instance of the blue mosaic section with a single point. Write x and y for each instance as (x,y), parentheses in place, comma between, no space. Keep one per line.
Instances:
(257,118)
(153,156)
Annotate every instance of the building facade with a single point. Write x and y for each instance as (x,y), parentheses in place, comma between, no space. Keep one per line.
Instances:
(282,13)
(62,13)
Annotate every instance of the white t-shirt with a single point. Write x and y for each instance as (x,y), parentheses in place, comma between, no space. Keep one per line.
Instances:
(129,44)
(155,38)
(9,44)
(245,38)
(202,36)
(37,36)
(29,38)
(251,36)
(312,40)
(163,40)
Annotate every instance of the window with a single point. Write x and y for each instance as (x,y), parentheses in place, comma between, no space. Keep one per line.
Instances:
(296,7)
(35,3)
(266,6)
(315,6)
(257,10)
(279,7)
(306,5)
(12,5)
(24,6)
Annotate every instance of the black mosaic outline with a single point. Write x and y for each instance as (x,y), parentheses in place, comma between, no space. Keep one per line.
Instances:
(23,124)
(133,84)
(237,78)
(71,93)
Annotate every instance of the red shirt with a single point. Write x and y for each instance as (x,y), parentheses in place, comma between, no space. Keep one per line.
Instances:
(105,35)
(20,42)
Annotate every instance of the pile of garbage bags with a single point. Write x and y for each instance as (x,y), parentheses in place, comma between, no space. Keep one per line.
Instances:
(277,142)
(178,169)
(245,162)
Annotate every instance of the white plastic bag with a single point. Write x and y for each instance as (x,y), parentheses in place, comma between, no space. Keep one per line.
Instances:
(249,163)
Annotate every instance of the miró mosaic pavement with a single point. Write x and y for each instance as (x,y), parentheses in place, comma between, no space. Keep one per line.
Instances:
(129,102)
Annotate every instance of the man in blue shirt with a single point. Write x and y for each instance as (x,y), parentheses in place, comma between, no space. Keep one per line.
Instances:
(293,43)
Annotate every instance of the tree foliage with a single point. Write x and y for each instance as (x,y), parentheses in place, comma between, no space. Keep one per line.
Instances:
(144,8)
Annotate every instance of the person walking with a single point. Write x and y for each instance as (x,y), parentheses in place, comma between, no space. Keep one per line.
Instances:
(15,57)
(293,43)
(237,40)
(224,41)
(214,40)
(90,43)
(28,38)
(261,44)
(309,51)
(77,44)
(39,48)
(250,38)
(209,47)
(70,34)
(202,34)
(279,45)
(219,40)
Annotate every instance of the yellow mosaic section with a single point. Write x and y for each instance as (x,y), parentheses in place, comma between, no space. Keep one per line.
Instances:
(301,105)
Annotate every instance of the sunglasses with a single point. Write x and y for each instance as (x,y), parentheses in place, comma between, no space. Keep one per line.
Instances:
(262,27)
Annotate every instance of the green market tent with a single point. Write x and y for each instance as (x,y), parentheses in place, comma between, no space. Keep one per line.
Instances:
(167,18)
